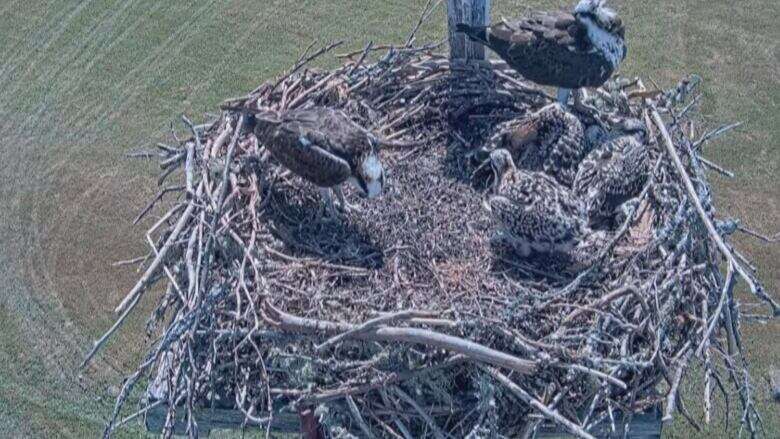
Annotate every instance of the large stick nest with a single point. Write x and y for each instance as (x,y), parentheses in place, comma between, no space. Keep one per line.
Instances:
(403,320)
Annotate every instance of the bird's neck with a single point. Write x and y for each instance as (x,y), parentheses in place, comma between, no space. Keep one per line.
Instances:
(610,45)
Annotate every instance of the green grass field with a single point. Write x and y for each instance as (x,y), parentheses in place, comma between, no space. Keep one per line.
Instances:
(82,82)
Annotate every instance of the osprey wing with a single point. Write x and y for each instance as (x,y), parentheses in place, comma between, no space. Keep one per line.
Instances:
(299,144)
(513,39)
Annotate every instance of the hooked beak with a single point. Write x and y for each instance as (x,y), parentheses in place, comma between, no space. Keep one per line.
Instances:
(374,188)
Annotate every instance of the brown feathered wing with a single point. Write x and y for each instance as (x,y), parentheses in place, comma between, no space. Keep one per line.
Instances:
(320,145)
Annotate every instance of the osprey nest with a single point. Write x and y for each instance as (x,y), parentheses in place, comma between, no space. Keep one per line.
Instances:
(406,318)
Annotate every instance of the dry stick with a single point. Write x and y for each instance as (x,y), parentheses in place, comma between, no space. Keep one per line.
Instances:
(361,59)
(468,348)
(715,167)
(396,420)
(728,323)
(124,421)
(707,366)
(129,261)
(353,409)
(523,87)
(188,167)
(596,373)
(548,413)
(220,140)
(714,134)
(206,254)
(310,90)
(759,236)
(409,400)
(609,297)
(694,198)
(306,60)
(402,315)
(393,47)
(427,11)
(380,384)
(142,283)
(671,397)
(156,199)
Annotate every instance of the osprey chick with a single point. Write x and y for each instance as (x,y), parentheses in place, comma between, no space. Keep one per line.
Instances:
(561,49)
(533,211)
(615,172)
(325,147)
(550,140)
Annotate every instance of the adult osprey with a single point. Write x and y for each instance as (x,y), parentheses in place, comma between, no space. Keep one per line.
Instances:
(325,147)
(549,140)
(533,211)
(615,172)
(560,49)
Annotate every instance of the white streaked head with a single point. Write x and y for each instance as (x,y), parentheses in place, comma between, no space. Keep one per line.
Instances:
(607,40)
(605,29)
(597,8)
(371,176)
(599,14)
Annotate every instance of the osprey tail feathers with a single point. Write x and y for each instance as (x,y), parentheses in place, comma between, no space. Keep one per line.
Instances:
(475,33)
(263,122)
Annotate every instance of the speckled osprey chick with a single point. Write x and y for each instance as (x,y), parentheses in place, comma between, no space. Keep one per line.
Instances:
(615,172)
(532,210)
(549,140)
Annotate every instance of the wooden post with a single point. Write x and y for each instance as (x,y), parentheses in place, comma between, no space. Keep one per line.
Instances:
(474,12)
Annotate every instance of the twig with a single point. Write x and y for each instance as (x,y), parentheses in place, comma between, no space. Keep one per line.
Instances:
(431,423)
(694,198)
(548,413)
(142,283)
(305,60)
(381,320)
(361,59)
(468,348)
(353,409)
(427,11)
(714,134)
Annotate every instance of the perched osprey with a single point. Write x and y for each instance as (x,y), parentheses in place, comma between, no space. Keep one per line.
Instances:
(534,212)
(550,140)
(560,49)
(615,172)
(325,147)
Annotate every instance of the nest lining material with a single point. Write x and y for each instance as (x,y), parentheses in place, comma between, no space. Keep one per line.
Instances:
(406,310)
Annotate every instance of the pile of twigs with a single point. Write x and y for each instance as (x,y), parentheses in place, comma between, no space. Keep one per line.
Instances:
(402,320)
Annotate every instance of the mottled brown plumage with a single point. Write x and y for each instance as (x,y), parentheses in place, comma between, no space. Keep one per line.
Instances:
(533,211)
(562,49)
(612,174)
(323,146)
(549,140)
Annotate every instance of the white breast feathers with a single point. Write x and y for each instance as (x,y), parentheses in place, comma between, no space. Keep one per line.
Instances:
(610,45)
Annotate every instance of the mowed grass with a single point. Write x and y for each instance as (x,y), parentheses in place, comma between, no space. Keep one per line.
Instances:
(83,82)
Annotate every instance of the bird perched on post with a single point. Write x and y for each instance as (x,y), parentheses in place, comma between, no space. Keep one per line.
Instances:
(614,172)
(533,211)
(550,140)
(325,147)
(561,49)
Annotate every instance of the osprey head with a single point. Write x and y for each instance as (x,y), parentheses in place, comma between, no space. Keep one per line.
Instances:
(501,162)
(602,16)
(369,177)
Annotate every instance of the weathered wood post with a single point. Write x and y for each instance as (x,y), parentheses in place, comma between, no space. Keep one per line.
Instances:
(474,12)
